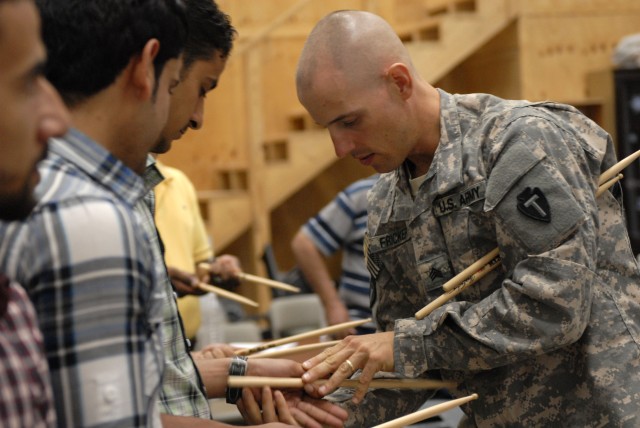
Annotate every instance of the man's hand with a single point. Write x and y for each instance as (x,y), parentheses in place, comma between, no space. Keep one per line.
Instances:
(369,352)
(223,272)
(292,407)
(214,350)
(184,282)
(273,408)
(313,412)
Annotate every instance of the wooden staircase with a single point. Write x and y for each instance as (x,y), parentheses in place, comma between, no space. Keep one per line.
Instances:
(438,42)
(267,160)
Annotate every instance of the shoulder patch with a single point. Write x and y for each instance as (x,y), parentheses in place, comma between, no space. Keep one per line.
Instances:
(533,203)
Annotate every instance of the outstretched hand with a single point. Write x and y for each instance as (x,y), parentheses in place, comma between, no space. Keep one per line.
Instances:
(273,408)
(370,352)
(290,407)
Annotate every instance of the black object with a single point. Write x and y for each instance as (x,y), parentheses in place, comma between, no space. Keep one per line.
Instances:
(627,89)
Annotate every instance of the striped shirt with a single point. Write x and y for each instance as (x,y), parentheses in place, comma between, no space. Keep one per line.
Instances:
(25,389)
(82,256)
(182,392)
(341,225)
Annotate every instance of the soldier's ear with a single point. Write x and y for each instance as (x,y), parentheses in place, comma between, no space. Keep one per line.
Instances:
(400,77)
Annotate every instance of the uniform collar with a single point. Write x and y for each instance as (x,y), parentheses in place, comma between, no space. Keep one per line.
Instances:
(447,161)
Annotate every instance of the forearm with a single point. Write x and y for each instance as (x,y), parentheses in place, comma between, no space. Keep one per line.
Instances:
(214,372)
(314,269)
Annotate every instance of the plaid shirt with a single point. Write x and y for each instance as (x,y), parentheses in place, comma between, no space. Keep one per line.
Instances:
(82,255)
(182,392)
(25,389)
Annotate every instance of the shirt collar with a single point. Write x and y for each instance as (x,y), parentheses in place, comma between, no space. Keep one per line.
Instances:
(152,175)
(94,160)
(447,161)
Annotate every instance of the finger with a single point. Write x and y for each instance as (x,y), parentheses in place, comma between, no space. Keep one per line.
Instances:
(284,415)
(364,380)
(331,363)
(252,412)
(312,390)
(322,356)
(304,420)
(324,412)
(242,410)
(268,411)
(341,370)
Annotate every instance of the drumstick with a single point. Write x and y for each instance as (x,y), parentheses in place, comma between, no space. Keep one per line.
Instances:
(615,169)
(268,282)
(427,413)
(492,260)
(292,382)
(606,185)
(259,280)
(295,350)
(226,294)
(303,336)
(441,300)
(471,270)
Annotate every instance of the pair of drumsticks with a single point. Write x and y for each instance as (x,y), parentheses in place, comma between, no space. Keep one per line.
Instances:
(244,277)
(492,260)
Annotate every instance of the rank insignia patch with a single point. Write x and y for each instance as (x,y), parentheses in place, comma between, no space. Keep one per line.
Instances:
(372,260)
(533,204)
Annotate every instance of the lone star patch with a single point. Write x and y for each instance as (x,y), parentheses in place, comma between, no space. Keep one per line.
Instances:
(533,203)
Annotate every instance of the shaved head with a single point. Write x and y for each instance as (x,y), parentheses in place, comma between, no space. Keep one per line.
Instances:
(356,79)
(358,45)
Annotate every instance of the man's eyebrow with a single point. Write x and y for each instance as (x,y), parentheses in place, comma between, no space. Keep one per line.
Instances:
(341,117)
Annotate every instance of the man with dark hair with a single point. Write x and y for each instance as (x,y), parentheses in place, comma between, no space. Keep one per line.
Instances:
(82,254)
(187,385)
(32,112)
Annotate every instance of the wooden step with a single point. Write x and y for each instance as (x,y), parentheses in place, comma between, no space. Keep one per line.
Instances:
(226,214)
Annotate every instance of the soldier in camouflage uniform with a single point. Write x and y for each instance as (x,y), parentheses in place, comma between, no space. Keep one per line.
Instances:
(552,336)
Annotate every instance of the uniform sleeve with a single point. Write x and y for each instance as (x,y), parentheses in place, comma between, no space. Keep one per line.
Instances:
(378,405)
(91,280)
(540,195)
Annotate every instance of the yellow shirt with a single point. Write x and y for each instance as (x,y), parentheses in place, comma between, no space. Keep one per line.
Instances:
(182,230)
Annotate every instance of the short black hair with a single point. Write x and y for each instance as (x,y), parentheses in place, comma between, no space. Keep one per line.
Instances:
(90,42)
(210,30)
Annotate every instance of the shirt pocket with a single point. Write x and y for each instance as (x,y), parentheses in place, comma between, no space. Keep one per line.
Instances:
(390,259)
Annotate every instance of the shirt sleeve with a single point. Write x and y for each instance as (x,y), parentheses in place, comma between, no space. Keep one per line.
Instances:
(330,228)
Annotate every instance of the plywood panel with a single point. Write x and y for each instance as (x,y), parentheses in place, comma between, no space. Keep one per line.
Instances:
(493,69)
(575,7)
(297,209)
(280,99)
(559,52)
